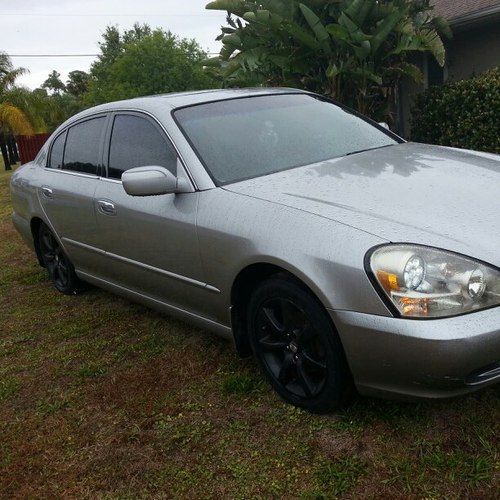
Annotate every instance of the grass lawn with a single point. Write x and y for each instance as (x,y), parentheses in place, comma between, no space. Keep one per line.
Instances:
(103,397)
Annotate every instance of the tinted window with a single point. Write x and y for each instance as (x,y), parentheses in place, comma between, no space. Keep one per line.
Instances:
(82,146)
(41,157)
(243,138)
(136,142)
(56,153)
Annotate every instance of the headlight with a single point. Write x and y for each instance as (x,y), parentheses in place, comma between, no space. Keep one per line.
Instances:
(424,282)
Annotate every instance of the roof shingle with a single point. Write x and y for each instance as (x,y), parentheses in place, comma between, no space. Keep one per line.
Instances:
(451,9)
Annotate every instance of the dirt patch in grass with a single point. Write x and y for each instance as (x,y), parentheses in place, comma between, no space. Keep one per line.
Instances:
(102,397)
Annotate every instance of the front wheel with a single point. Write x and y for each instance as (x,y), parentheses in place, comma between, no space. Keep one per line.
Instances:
(59,268)
(297,347)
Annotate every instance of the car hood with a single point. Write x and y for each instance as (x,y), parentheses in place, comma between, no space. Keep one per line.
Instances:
(432,195)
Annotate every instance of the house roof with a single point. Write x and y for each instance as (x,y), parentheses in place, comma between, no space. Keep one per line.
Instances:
(464,10)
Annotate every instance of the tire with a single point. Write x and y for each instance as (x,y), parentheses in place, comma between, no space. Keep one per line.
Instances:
(59,268)
(297,347)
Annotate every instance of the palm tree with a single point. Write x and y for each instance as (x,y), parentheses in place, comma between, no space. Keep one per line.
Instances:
(13,120)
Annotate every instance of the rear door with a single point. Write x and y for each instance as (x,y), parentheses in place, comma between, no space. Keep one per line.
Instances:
(151,241)
(69,182)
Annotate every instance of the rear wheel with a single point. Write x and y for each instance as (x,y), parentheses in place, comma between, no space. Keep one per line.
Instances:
(59,268)
(297,347)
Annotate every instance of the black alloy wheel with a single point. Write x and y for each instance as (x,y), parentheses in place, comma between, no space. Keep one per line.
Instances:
(59,268)
(291,347)
(297,347)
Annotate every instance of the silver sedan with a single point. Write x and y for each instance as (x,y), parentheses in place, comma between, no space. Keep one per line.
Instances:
(335,252)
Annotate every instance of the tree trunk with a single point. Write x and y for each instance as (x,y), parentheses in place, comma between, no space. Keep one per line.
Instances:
(13,151)
(5,152)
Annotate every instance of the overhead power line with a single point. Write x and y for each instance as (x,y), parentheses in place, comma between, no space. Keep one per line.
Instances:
(52,55)
(74,55)
(104,14)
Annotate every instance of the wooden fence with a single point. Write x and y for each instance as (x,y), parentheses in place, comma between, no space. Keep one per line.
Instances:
(29,145)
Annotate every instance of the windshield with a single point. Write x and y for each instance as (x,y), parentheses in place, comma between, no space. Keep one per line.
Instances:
(248,137)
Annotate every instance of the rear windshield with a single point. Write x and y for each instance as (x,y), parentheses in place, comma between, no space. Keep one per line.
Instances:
(243,138)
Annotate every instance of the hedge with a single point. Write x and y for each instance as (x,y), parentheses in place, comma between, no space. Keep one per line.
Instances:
(463,114)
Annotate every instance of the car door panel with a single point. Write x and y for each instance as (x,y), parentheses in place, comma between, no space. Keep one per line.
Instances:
(67,188)
(151,241)
(69,210)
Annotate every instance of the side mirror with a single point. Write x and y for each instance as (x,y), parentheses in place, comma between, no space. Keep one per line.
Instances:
(384,124)
(149,181)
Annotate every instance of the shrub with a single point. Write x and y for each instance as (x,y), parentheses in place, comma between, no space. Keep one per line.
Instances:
(464,114)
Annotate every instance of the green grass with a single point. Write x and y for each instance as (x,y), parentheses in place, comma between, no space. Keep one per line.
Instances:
(8,387)
(241,383)
(100,397)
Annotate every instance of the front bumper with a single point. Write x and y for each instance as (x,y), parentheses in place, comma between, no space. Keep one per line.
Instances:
(421,358)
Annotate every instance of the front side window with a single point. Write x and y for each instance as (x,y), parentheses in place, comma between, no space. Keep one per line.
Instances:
(57,152)
(82,146)
(137,142)
(248,137)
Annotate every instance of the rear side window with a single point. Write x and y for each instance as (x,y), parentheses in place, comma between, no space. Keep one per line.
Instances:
(82,146)
(57,151)
(137,142)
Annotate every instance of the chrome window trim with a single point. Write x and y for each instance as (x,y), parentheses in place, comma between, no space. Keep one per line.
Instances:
(71,172)
(109,179)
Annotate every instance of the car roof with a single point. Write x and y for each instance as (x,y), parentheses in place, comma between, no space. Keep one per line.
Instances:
(180,99)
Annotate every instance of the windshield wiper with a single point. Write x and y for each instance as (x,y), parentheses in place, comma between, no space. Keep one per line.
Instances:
(368,149)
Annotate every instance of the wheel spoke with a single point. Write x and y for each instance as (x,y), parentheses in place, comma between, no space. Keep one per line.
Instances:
(270,316)
(287,368)
(308,359)
(303,379)
(288,313)
(270,344)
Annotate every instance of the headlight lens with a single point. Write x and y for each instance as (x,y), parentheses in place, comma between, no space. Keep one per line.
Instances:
(424,282)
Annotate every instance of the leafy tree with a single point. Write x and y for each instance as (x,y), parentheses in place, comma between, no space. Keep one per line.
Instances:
(54,83)
(77,83)
(13,120)
(111,46)
(142,61)
(354,51)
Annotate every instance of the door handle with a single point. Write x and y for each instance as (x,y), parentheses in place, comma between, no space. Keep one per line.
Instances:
(106,207)
(47,192)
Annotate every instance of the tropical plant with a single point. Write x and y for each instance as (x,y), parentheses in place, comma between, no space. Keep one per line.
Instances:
(355,51)
(13,119)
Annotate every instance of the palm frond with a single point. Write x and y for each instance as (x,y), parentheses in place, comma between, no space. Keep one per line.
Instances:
(14,119)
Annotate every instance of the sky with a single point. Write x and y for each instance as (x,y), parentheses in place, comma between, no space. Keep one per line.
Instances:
(75,27)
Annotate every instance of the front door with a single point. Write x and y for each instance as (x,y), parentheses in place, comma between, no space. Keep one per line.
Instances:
(151,241)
